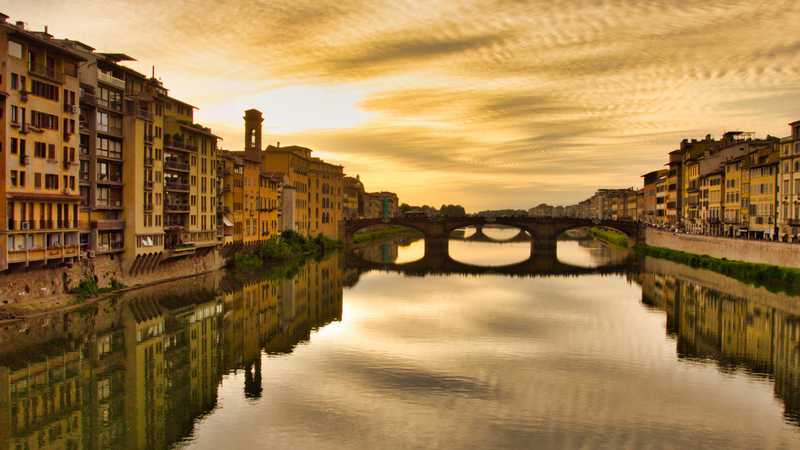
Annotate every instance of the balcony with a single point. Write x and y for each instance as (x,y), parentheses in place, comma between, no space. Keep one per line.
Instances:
(179,143)
(24,159)
(175,186)
(173,164)
(144,115)
(176,207)
(148,161)
(70,109)
(148,138)
(148,185)
(108,224)
(110,79)
(88,98)
(793,222)
(47,72)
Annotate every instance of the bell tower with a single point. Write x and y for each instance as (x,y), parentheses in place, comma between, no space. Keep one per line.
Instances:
(252,130)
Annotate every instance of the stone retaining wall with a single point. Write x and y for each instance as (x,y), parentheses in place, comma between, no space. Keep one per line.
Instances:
(29,284)
(764,252)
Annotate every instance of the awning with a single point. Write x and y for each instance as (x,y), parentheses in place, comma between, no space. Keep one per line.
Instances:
(227,221)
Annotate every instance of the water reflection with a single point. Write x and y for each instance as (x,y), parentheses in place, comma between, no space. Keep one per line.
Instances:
(446,361)
(138,372)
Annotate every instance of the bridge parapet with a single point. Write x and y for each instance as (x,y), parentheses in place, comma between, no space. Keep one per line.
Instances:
(544,230)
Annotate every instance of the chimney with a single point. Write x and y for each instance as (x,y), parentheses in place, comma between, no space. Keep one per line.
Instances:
(279,144)
(20,25)
(153,71)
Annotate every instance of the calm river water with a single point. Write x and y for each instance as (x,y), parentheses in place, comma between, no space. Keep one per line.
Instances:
(653,356)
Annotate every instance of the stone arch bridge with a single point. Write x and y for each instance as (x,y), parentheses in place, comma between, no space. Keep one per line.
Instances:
(543,231)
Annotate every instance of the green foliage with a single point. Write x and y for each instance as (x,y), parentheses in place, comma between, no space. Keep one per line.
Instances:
(383,232)
(288,246)
(452,211)
(610,236)
(89,288)
(774,278)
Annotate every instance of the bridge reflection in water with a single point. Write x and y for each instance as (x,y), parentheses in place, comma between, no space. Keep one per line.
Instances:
(383,257)
(140,371)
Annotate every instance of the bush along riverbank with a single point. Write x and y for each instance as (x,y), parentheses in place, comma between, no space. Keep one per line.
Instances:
(773,278)
(287,249)
(609,236)
(89,288)
(384,232)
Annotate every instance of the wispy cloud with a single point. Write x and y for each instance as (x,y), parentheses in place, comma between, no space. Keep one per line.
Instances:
(463,100)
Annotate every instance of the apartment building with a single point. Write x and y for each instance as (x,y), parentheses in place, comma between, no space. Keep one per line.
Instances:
(736,205)
(352,197)
(190,181)
(39,131)
(712,202)
(325,198)
(789,179)
(763,193)
(294,162)
(650,195)
(104,96)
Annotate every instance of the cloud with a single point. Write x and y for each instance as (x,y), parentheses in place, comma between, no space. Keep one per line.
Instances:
(460,101)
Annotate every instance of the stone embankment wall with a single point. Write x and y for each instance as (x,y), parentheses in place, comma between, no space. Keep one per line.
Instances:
(763,252)
(721,283)
(23,285)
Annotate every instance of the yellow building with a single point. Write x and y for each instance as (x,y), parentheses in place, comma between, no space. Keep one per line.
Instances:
(712,202)
(763,195)
(232,196)
(190,198)
(40,156)
(737,196)
(325,196)
(251,195)
(789,179)
(293,162)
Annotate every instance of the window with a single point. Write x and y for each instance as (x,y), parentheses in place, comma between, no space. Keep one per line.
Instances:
(44,120)
(14,145)
(14,178)
(44,90)
(37,180)
(15,49)
(14,81)
(14,114)
(40,150)
(109,148)
(51,181)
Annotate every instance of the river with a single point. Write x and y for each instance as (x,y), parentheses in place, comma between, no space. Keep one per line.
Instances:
(341,355)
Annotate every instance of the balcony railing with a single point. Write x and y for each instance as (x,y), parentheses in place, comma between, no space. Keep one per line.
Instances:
(148,185)
(176,165)
(793,222)
(179,143)
(70,108)
(110,79)
(88,98)
(173,186)
(177,207)
(47,72)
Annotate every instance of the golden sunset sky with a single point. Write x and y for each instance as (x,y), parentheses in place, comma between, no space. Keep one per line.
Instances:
(491,104)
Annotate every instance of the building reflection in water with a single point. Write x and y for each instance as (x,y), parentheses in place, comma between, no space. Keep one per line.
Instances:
(138,372)
(760,337)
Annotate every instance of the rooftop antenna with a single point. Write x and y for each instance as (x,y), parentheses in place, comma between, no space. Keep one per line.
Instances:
(153,71)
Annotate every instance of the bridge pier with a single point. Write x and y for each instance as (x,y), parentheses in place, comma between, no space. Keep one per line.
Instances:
(436,248)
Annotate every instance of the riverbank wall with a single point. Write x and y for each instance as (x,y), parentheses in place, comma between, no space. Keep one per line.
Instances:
(26,287)
(759,252)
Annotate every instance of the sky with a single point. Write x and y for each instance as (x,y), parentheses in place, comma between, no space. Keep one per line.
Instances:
(489,104)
